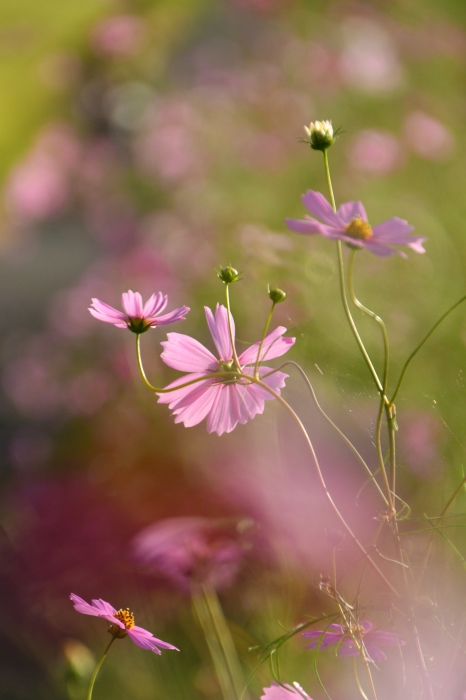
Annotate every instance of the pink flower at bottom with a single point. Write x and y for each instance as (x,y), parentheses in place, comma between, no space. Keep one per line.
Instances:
(365,633)
(350,225)
(121,623)
(284,692)
(225,402)
(138,317)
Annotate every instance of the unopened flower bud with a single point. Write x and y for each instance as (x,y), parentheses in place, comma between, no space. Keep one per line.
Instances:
(277,295)
(320,135)
(228,274)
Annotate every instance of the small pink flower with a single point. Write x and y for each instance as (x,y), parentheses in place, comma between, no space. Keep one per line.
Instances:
(284,692)
(350,225)
(138,317)
(225,402)
(364,633)
(121,623)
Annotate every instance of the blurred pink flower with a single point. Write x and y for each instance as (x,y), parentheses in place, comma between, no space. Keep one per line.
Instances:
(364,633)
(284,692)
(225,402)
(121,623)
(376,152)
(349,224)
(137,317)
(118,36)
(428,137)
(192,550)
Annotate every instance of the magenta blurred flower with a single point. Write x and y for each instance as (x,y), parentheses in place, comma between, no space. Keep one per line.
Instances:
(225,402)
(364,633)
(120,35)
(121,623)
(284,692)
(192,550)
(138,317)
(350,225)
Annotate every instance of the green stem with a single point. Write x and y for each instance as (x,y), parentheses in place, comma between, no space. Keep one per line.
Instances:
(424,340)
(266,328)
(230,329)
(97,669)
(343,289)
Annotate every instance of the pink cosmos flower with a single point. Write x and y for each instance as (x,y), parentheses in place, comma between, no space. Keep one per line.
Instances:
(225,402)
(121,623)
(365,632)
(349,224)
(192,550)
(138,317)
(284,692)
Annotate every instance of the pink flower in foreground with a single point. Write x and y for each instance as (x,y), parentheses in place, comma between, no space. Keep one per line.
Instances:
(121,623)
(138,317)
(192,550)
(225,402)
(349,224)
(284,692)
(364,633)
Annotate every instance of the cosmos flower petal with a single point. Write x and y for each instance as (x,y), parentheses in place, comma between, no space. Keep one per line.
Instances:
(174,397)
(132,303)
(187,355)
(319,206)
(144,639)
(106,313)
(155,305)
(374,653)
(394,230)
(194,407)
(274,345)
(222,416)
(85,608)
(173,316)
(220,331)
(382,249)
(352,210)
(309,226)
(284,692)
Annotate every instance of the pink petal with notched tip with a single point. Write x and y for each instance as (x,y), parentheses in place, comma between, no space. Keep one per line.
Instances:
(318,206)
(132,304)
(155,305)
(187,355)
(274,345)
(219,329)
(175,315)
(352,210)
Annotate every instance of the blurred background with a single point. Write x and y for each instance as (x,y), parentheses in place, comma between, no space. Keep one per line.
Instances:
(143,144)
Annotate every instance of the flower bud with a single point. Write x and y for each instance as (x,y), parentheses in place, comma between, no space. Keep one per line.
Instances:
(320,135)
(277,295)
(228,274)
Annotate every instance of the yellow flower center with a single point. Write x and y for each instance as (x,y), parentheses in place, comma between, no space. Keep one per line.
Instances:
(359,229)
(126,617)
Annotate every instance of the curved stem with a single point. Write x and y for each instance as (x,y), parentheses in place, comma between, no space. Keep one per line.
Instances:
(157,390)
(97,669)
(266,328)
(334,426)
(336,510)
(424,340)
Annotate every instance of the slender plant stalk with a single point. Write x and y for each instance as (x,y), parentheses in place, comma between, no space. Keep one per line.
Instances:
(230,329)
(266,328)
(97,669)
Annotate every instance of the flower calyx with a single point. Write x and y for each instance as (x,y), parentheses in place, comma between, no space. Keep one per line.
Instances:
(277,295)
(127,618)
(228,274)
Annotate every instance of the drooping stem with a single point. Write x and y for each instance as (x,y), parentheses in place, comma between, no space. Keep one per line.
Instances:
(97,669)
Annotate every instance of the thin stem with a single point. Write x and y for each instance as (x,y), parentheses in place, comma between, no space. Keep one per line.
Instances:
(358,682)
(230,329)
(445,509)
(281,400)
(334,426)
(157,390)
(266,328)
(329,180)
(424,340)
(97,669)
